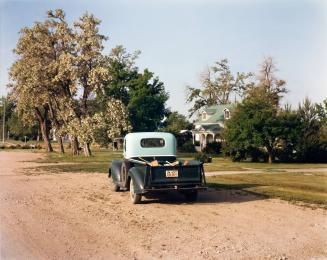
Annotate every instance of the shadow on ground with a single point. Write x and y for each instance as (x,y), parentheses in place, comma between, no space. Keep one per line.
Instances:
(210,196)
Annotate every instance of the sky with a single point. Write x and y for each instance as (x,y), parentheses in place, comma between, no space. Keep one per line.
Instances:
(180,38)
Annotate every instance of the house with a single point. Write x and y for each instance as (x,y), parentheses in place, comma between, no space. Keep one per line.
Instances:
(209,124)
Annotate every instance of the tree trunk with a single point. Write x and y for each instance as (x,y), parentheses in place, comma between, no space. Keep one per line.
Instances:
(61,145)
(270,155)
(74,145)
(87,150)
(44,127)
(45,136)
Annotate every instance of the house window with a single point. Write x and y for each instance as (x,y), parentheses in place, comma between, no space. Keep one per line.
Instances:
(204,116)
(226,113)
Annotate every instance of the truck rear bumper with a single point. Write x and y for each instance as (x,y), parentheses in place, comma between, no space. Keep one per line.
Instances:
(174,187)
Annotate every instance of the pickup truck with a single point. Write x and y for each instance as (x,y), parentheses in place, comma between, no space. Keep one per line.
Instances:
(150,166)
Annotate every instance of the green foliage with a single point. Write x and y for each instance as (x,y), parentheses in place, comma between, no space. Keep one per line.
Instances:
(312,142)
(258,130)
(18,130)
(175,122)
(147,100)
(187,147)
(212,148)
(252,125)
(142,93)
(123,73)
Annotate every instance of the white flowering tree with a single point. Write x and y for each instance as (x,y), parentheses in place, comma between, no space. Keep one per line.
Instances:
(91,69)
(113,122)
(115,119)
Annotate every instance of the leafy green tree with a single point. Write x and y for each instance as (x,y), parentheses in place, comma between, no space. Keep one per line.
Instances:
(253,125)
(312,143)
(175,122)
(123,74)
(142,93)
(217,85)
(146,106)
(288,132)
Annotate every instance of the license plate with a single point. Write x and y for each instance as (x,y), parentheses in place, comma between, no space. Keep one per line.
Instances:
(171,173)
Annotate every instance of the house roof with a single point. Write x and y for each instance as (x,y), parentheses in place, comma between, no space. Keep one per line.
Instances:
(216,114)
(208,128)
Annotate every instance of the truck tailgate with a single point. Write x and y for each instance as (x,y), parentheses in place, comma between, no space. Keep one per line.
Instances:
(187,174)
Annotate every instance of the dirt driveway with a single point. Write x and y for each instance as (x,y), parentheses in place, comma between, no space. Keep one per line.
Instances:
(77,216)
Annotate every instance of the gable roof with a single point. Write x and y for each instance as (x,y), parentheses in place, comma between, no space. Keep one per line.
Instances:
(216,114)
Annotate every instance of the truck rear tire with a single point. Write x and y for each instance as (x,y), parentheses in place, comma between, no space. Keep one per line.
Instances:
(136,198)
(115,187)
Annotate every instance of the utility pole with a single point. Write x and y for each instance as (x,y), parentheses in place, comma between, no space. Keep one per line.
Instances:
(3,119)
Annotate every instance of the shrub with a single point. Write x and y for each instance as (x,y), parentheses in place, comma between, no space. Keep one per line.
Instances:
(187,147)
(212,148)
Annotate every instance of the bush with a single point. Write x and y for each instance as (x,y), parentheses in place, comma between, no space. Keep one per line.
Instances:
(212,148)
(187,147)
(202,157)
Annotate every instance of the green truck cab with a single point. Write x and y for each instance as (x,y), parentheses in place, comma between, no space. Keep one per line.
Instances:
(150,166)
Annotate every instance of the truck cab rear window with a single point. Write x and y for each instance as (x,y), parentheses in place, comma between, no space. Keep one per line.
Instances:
(152,142)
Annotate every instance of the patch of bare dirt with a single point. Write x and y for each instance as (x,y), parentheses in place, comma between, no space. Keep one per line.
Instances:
(77,216)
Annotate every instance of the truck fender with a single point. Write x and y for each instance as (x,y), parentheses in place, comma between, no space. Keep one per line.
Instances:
(138,179)
(115,170)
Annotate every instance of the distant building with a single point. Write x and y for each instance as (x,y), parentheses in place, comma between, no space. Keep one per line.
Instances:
(209,124)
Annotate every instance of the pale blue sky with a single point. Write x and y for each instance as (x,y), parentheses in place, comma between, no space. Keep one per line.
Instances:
(179,38)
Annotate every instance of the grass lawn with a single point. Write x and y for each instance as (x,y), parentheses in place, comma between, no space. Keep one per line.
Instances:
(225,164)
(100,160)
(304,187)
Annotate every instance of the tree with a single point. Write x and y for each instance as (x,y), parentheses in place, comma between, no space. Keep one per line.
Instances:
(18,130)
(123,73)
(113,121)
(175,122)
(312,142)
(146,106)
(268,84)
(142,93)
(30,78)
(90,67)
(58,71)
(288,131)
(44,72)
(217,85)
(253,125)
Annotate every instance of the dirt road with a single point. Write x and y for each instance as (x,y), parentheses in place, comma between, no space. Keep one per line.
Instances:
(77,216)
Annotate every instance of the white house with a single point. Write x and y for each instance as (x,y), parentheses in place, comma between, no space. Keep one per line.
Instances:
(210,122)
